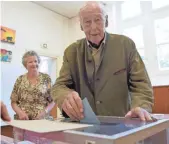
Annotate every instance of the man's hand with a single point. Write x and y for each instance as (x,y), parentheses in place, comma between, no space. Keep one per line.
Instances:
(23,116)
(73,106)
(140,113)
(4,113)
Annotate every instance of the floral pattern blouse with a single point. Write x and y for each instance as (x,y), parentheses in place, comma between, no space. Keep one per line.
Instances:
(32,98)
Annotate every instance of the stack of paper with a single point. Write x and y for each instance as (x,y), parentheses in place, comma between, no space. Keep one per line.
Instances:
(43,126)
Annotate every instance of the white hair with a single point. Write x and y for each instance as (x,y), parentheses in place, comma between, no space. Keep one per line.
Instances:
(90,3)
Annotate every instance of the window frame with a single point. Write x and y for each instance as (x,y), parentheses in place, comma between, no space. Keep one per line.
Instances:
(147,19)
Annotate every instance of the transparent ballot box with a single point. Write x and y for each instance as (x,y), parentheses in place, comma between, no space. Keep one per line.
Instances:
(111,130)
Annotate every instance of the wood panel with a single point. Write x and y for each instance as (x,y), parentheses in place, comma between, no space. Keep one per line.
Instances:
(161,99)
(7,131)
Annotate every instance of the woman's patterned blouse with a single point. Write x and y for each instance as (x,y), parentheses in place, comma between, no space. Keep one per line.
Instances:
(32,98)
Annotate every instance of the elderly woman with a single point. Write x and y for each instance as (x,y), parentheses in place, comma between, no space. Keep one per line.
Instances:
(30,98)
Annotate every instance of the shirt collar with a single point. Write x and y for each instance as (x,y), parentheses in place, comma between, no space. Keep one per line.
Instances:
(103,42)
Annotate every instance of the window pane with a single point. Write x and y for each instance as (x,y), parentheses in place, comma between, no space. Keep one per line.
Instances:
(159,3)
(163,56)
(130,9)
(136,34)
(162,30)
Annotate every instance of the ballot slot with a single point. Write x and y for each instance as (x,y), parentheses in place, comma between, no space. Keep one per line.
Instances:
(110,126)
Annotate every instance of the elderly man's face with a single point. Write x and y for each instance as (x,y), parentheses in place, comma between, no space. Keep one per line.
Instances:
(93,24)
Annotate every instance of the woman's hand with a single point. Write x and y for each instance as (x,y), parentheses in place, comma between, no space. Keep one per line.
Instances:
(23,116)
(41,115)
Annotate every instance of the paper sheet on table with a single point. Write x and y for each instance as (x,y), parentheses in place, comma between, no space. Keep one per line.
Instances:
(43,126)
(89,115)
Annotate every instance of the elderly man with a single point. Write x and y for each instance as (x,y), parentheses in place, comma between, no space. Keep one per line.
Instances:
(105,68)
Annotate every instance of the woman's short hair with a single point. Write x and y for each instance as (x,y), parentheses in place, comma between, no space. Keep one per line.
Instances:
(28,54)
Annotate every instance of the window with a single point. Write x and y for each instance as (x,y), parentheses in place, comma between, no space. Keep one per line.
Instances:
(159,3)
(130,9)
(163,56)
(136,34)
(162,30)
(162,42)
(149,30)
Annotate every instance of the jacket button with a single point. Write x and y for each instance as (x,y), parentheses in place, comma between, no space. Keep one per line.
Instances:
(98,102)
(89,82)
(98,79)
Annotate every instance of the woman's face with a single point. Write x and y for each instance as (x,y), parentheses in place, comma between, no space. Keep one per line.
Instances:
(32,64)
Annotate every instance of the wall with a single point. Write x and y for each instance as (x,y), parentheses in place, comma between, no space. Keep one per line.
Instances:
(75,31)
(34,26)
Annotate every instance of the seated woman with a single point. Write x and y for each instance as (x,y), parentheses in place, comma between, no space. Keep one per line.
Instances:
(31,98)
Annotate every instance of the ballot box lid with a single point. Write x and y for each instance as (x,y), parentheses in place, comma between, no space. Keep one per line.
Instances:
(114,128)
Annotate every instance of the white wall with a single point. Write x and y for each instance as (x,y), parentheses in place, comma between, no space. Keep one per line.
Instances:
(75,31)
(34,26)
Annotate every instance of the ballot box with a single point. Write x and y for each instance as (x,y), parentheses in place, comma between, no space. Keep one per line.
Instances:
(111,130)
(116,130)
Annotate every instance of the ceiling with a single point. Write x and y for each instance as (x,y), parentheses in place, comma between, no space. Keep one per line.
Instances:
(68,9)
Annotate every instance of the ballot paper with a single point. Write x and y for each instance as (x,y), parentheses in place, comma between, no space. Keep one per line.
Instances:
(43,126)
(89,115)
